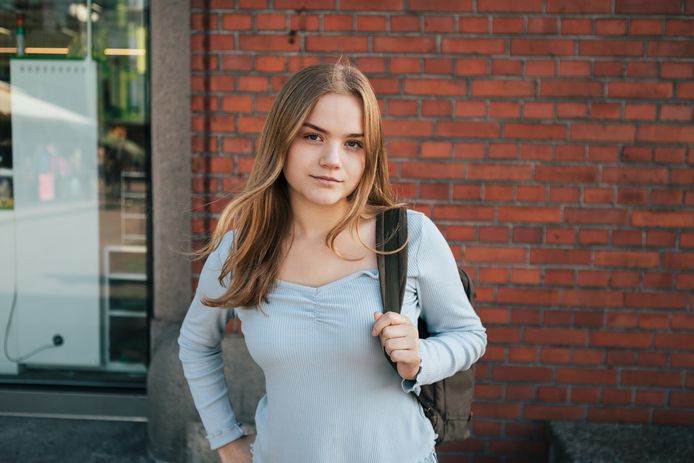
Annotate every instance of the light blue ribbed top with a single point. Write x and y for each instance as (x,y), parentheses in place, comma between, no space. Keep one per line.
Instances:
(331,396)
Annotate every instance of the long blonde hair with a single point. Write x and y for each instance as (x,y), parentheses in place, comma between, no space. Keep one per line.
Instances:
(261,214)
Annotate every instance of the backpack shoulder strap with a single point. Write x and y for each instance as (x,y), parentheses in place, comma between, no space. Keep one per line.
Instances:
(391,234)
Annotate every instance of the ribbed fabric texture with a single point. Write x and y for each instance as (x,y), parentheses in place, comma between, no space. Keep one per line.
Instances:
(331,396)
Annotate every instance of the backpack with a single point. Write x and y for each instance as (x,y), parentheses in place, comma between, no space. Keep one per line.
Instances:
(447,402)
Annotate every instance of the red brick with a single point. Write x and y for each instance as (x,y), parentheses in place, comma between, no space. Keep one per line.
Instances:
(603,132)
(550,355)
(593,278)
(539,68)
(676,70)
(404,45)
(466,46)
(553,412)
(432,170)
(660,238)
(647,7)
(381,5)
(575,25)
(635,175)
(682,360)
(595,216)
(560,236)
(494,254)
(585,6)
(545,336)
(598,195)
(577,88)
(408,128)
(610,26)
(556,277)
(588,298)
(673,417)
(535,131)
(606,111)
(662,219)
(498,192)
(533,110)
(619,415)
(652,378)
(522,374)
(507,67)
(586,376)
(542,25)
(626,238)
(585,395)
(637,259)
(473,25)
(502,109)
(442,5)
(617,396)
(686,90)
(508,25)
(543,47)
(279,43)
(552,394)
(676,113)
(438,66)
(639,90)
(566,174)
(526,276)
(466,212)
(305,4)
(439,23)
(625,340)
(439,87)
(610,48)
(347,43)
(642,112)
(467,129)
(371,23)
(509,6)
(650,397)
(575,68)
(404,23)
(496,410)
(560,256)
(515,214)
(683,49)
(639,69)
(622,320)
(646,27)
(438,107)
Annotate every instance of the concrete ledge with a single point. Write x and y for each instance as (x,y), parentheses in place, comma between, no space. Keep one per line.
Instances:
(620,443)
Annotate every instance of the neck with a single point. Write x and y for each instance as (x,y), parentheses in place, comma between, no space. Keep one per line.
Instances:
(313,222)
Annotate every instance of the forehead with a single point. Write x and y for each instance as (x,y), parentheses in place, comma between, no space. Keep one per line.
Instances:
(338,114)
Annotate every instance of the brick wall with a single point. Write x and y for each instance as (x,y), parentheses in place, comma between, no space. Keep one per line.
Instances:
(551,141)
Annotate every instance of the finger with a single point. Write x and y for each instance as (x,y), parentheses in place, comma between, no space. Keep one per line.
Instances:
(399,331)
(404,356)
(389,318)
(399,344)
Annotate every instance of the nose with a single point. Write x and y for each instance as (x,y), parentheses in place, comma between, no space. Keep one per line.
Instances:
(331,155)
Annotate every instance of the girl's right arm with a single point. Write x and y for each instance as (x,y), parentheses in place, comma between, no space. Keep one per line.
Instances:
(200,343)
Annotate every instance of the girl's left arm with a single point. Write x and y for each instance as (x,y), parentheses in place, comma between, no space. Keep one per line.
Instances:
(457,338)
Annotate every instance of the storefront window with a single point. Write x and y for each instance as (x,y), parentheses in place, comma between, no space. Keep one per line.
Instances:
(74,192)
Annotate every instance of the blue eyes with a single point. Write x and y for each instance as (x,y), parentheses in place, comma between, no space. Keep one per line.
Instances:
(354,144)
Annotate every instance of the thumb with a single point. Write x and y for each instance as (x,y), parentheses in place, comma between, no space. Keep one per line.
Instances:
(377,315)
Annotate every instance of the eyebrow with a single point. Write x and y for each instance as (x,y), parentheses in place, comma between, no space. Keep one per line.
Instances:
(315,127)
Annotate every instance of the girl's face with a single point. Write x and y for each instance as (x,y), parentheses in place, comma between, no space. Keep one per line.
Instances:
(326,159)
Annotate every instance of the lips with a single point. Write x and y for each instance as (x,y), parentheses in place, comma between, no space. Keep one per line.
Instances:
(324,178)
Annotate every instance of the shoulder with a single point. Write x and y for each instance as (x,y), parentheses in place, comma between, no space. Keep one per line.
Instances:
(222,249)
(419,225)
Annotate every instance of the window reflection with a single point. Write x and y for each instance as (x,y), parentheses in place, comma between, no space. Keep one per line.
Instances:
(74,138)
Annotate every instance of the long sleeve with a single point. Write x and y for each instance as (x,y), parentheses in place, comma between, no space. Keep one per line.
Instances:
(457,338)
(200,352)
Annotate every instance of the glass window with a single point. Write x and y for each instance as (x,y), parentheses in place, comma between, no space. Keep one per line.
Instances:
(74,192)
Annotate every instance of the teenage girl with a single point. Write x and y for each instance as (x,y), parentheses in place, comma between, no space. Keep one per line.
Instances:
(293,257)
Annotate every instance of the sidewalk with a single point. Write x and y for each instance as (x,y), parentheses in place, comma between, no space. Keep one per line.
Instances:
(30,440)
